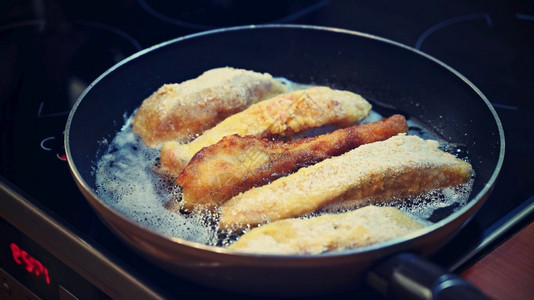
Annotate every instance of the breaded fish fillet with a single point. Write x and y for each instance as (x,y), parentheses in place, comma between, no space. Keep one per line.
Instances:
(281,115)
(235,164)
(182,111)
(397,167)
(361,227)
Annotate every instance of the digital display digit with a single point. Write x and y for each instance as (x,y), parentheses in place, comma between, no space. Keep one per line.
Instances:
(30,264)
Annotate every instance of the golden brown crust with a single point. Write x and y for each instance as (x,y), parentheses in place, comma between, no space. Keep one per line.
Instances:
(282,115)
(235,164)
(182,111)
(361,227)
(397,167)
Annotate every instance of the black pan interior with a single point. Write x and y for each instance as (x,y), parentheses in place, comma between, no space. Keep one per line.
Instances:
(382,71)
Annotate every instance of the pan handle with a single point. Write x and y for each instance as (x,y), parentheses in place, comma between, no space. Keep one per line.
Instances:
(408,276)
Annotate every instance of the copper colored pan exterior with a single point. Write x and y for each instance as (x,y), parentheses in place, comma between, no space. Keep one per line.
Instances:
(386,73)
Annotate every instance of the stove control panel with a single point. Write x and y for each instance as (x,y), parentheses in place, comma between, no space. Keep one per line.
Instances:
(12,289)
(27,271)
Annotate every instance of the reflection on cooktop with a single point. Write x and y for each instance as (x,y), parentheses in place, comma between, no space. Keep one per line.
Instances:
(50,51)
(210,14)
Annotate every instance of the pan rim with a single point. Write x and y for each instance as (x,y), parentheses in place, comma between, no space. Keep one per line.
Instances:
(474,200)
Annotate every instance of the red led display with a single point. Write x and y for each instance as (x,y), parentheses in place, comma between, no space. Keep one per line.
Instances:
(30,264)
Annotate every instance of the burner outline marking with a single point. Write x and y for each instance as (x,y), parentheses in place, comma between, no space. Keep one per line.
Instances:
(451,21)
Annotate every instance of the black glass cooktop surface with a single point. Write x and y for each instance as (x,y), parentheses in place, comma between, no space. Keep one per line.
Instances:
(50,51)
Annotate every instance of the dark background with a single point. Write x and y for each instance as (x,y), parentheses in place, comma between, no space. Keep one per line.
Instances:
(51,50)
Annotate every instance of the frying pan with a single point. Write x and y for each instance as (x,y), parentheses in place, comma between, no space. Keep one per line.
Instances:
(390,75)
